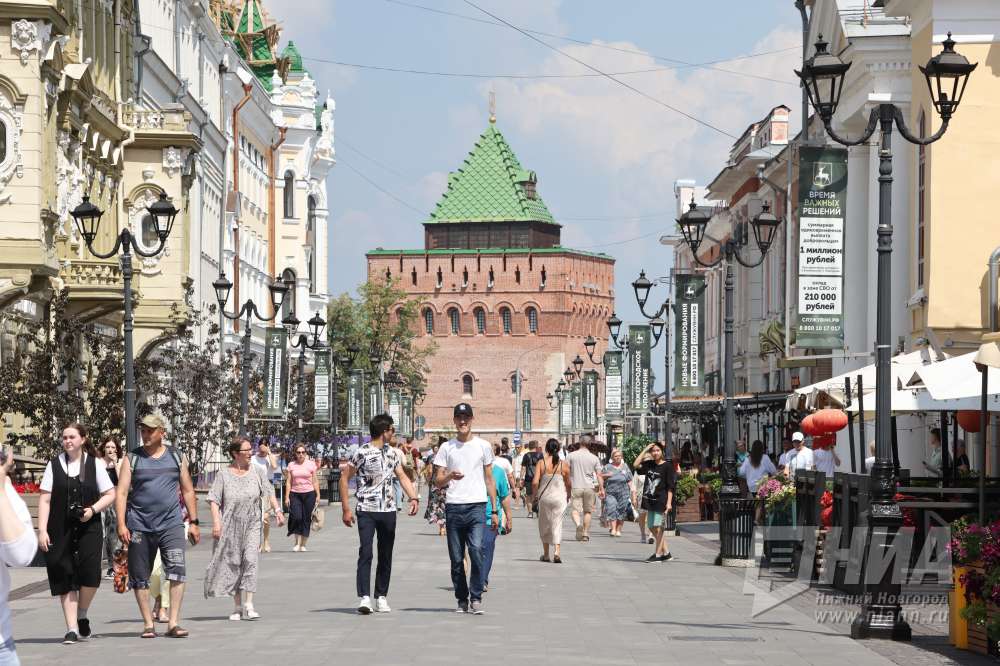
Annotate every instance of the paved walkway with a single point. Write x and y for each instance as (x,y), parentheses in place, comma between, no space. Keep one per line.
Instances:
(603,605)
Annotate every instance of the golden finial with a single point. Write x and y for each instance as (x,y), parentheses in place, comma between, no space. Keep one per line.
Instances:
(493,107)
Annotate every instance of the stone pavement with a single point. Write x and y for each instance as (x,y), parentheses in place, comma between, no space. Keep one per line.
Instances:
(603,605)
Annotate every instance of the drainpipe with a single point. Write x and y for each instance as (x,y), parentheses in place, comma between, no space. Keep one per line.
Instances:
(272,224)
(994,265)
(247,91)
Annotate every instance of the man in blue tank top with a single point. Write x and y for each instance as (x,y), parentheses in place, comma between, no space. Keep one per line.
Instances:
(151,480)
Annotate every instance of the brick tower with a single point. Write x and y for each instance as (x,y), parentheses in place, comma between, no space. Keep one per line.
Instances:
(498,292)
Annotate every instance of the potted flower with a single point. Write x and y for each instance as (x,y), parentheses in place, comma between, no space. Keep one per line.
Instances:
(975,553)
(685,488)
(777,494)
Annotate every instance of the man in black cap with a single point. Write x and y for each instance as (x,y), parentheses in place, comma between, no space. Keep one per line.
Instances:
(465,469)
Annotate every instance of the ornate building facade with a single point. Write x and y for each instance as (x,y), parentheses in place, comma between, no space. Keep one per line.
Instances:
(498,294)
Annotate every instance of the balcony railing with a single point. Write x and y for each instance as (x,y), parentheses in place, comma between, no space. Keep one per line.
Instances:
(157,120)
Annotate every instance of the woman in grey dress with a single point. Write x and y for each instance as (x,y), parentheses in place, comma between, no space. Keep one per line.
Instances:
(235,500)
(617,477)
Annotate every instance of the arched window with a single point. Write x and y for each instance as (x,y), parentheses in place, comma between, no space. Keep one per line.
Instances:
(147,233)
(467,385)
(453,316)
(311,217)
(532,320)
(429,321)
(505,318)
(413,276)
(289,195)
(288,305)
(3,141)
(480,316)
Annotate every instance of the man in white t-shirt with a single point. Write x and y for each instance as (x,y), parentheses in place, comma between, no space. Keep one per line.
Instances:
(801,457)
(465,468)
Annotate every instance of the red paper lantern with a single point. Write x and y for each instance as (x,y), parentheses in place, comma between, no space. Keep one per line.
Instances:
(830,420)
(824,441)
(808,426)
(969,420)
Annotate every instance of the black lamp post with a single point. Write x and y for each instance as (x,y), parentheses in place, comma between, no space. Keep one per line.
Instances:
(947,74)
(732,512)
(88,220)
(316,326)
(642,286)
(278,291)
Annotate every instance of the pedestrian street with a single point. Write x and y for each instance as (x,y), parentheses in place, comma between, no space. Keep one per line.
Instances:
(602,605)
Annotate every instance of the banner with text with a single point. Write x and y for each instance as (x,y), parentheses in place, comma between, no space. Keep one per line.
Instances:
(355,400)
(689,336)
(525,415)
(577,402)
(590,400)
(275,377)
(822,209)
(565,412)
(406,415)
(613,386)
(395,409)
(374,400)
(321,387)
(638,368)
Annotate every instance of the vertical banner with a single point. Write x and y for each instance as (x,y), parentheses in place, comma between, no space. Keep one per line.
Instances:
(406,415)
(275,377)
(526,416)
(590,400)
(613,386)
(577,406)
(395,409)
(374,400)
(321,387)
(689,334)
(638,369)
(822,208)
(566,412)
(355,400)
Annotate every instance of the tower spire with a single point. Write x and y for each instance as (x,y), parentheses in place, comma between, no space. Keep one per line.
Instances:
(493,107)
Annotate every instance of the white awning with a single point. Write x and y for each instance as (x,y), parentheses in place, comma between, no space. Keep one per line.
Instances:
(958,378)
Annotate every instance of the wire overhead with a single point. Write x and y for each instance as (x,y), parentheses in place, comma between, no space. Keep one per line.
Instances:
(605,74)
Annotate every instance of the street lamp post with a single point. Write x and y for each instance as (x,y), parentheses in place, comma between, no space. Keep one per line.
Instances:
(822,75)
(642,287)
(731,513)
(278,291)
(88,219)
(316,326)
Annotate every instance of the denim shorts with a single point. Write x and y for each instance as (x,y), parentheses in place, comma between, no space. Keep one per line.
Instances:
(654,519)
(142,552)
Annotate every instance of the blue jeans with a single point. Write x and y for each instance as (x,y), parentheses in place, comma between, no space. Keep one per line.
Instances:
(8,656)
(464,523)
(489,547)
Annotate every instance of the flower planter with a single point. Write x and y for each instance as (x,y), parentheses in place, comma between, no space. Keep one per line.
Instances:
(688,512)
(780,551)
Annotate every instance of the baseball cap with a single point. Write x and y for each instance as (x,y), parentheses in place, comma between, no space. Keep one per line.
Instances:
(463,409)
(798,437)
(153,421)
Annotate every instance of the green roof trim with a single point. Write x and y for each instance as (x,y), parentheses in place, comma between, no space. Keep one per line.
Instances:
(251,22)
(491,186)
(294,58)
(493,250)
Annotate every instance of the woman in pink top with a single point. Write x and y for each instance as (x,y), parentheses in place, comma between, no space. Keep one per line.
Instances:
(302,490)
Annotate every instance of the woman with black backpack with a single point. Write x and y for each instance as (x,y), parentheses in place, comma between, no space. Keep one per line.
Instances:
(74,491)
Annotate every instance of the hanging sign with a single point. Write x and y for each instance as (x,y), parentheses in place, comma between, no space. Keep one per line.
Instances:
(689,335)
(321,387)
(822,209)
(590,400)
(565,412)
(406,415)
(525,415)
(577,406)
(395,409)
(275,377)
(638,368)
(355,400)
(374,400)
(613,386)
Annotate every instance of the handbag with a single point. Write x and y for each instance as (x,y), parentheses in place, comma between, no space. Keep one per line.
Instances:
(318,518)
(534,502)
(119,566)
(630,512)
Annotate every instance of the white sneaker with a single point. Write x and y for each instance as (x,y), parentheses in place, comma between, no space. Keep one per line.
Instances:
(236,616)
(365,605)
(295,548)
(250,613)
(381,605)
(303,549)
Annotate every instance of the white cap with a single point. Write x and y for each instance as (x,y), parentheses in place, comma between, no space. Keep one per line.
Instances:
(798,437)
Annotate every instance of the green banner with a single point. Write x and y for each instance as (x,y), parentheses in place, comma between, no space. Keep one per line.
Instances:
(577,407)
(613,386)
(356,400)
(374,400)
(638,368)
(525,415)
(565,412)
(590,400)
(689,335)
(395,412)
(275,375)
(321,387)
(822,210)
(406,415)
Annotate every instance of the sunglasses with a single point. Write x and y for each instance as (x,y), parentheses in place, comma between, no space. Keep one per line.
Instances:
(300,453)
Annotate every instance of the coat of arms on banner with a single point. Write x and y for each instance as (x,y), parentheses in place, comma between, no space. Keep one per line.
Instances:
(822,174)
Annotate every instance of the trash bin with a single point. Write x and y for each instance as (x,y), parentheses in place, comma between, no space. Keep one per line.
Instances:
(333,485)
(736,523)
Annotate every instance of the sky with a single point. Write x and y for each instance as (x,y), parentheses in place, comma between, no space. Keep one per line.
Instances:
(606,156)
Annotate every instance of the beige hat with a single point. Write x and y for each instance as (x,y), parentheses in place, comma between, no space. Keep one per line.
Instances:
(153,421)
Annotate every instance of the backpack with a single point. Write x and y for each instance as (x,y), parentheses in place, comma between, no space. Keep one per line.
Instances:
(133,456)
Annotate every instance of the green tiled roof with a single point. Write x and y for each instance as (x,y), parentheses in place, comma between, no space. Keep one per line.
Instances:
(446,251)
(490,187)
(251,22)
(294,58)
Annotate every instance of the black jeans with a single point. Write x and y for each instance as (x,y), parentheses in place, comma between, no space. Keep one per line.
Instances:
(300,509)
(384,524)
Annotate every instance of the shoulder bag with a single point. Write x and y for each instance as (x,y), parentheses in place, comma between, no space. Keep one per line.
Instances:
(534,502)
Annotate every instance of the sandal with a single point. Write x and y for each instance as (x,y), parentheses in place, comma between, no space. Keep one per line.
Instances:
(148,632)
(176,631)
(543,558)
(557,559)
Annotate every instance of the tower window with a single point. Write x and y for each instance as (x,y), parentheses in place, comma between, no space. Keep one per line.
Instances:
(455,321)
(467,385)
(505,318)
(289,195)
(413,277)
(532,320)
(429,321)
(480,315)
